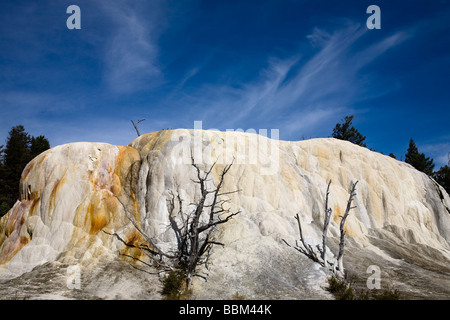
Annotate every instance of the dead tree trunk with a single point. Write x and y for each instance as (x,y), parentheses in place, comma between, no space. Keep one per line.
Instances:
(135,126)
(339,262)
(307,250)
(194,230)
(326,222)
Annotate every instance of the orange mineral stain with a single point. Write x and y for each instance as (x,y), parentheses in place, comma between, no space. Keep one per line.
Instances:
(338,214)
(14,241)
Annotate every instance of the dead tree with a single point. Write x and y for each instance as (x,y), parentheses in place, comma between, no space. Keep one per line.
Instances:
(135,126)
(194,230)
(341,228)
(337,265)
(326,222)
(307,250)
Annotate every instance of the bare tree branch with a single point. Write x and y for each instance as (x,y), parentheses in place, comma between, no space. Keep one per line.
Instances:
(307,250)
(147,251)
(146,237)
(135,126)
(193,230)
(341,228)
(326,222)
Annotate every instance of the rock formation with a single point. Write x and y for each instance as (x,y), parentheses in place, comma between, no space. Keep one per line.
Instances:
(70,209)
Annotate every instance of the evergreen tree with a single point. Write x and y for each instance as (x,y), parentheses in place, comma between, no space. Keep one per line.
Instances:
(418,160)
(442,176)
(346,131)
(19,150)
(38,145)
(16,156)
(412,152)
(4,203)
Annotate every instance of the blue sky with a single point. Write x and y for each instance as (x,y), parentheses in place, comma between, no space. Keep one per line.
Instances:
(296,66)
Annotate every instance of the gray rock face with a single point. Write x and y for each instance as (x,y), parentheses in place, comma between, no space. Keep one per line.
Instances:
(70,207)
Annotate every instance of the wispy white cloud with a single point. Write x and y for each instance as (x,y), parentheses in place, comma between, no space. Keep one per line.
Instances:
(296,94)
(131,52)
(439,152)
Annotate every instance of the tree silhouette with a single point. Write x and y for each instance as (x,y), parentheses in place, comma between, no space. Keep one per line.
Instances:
(346,131)
(442,176)
(20,149)
(418,160)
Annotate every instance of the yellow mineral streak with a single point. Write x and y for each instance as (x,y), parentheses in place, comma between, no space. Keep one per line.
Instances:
(54,194)
(102,210)
(97,215)
(127,158)
(338,213)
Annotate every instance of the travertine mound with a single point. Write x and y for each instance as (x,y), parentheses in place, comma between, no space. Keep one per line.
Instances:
(70,208)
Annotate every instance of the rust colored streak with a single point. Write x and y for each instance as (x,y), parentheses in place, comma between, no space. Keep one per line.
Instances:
(53,195)
(98,215)
(17,216)
(34,205)
(98,222)
(126,158)
(14,242)
(133,241)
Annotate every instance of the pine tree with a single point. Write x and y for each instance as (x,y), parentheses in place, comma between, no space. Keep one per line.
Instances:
(418,160)
(412,152)
(38,145)
(4,203)
(442,176)
(19,150)
(16,156)
(346,131)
